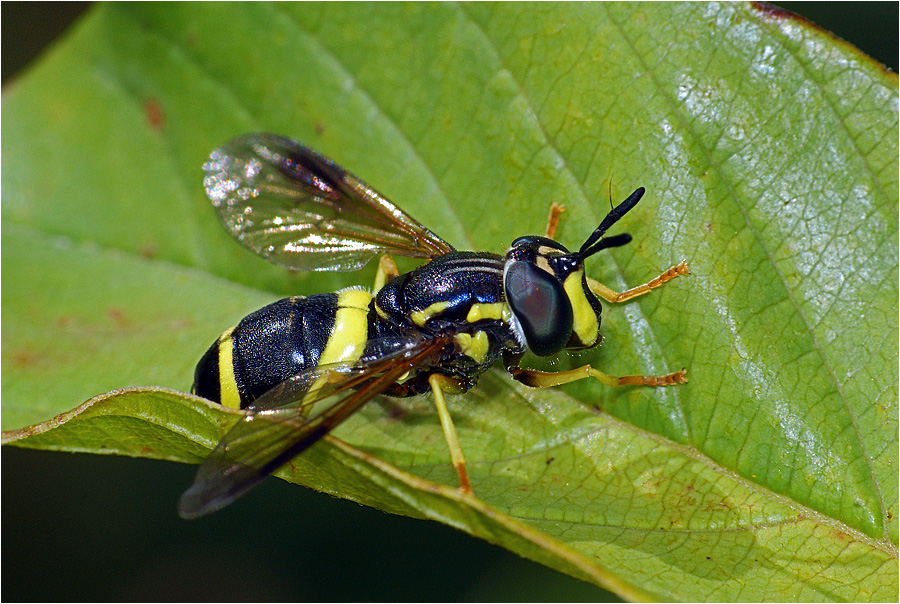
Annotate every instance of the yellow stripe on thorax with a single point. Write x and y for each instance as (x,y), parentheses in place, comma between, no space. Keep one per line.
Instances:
(492,310)
(228,389)
(420,317)
(585,325)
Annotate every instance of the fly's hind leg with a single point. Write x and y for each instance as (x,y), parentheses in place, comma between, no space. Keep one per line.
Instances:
(613,296)
(387,270)
(439,385)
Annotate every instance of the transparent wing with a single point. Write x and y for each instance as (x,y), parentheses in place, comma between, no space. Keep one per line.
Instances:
(279,425)
(300,210)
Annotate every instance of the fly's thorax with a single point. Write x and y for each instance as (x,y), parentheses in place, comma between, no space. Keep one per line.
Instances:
(457,289)
(458,294)
(545,287)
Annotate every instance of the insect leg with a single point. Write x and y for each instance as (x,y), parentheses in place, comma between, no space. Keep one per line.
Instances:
(547,379)
(387,270)
(612,296)
(553,219)
(440,384)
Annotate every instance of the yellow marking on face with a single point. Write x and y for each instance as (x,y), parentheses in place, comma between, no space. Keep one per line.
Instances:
(585,324)
(542,263)
(420,317)
(351,328)
(546,250)
(474,346)
(493,310)
(229,396)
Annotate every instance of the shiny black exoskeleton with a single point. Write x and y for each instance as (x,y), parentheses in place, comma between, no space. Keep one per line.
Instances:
(436,328)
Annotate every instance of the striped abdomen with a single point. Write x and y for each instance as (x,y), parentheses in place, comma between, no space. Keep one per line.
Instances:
(281,340)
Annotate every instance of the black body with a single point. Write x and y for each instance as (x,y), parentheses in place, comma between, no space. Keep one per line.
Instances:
(453,317)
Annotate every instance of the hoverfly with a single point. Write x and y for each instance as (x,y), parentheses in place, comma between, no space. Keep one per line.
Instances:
(435,329)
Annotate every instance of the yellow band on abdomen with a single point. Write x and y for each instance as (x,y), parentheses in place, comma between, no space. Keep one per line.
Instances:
(351,328)
(229,396)
(348,337)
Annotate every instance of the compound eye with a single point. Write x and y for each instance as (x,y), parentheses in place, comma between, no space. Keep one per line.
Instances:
(540,304)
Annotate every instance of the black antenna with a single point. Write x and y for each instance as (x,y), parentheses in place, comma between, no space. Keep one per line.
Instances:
(613,217)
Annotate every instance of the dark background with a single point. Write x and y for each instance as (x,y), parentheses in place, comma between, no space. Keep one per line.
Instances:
(72,523)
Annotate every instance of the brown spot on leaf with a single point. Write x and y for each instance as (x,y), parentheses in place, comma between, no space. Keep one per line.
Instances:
(148,250)
(117,316)
(25,358)
(840,536)
(154,114)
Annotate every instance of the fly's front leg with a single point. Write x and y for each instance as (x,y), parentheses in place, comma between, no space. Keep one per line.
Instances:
(613,296)
(548,379)
(603,291)
(439,385)
(387,270)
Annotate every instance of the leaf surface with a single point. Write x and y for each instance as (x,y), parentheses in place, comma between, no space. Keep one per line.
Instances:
(769,152)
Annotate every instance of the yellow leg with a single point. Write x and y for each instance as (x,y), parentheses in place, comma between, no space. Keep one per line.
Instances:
(612,296)
(387,270)
(547,379)
(553,219)
(439,385)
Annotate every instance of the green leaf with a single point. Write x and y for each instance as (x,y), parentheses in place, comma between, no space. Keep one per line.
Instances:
(769,153)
